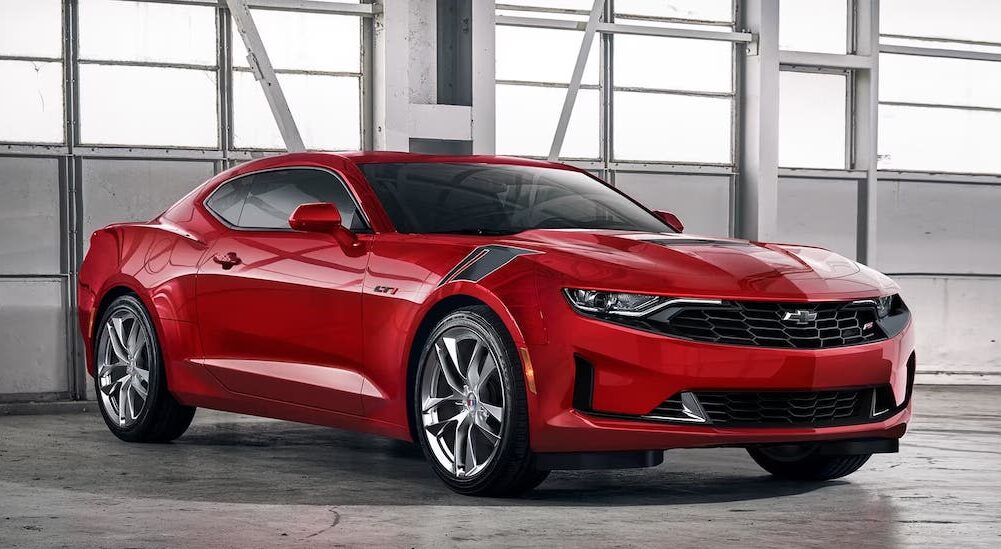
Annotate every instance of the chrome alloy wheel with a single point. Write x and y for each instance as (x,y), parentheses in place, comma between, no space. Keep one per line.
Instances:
(462,401)
(124,360)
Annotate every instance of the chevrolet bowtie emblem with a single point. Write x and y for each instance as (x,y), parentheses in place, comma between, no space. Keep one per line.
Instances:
(800,316)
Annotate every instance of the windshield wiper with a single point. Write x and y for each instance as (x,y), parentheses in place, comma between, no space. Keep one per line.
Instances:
(479,231)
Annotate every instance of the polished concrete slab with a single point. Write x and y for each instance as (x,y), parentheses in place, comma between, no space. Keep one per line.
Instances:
(237,481)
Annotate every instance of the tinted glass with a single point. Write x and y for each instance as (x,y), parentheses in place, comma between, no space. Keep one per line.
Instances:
(227,201)
(495,199)
(266,200)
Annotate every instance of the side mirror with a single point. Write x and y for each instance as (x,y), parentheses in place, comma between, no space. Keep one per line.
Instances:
(322,217)
(671,220)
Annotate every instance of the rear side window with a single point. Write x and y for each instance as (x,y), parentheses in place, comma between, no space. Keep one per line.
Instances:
(266,200)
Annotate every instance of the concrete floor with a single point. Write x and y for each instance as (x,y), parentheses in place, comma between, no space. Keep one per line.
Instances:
(237,481)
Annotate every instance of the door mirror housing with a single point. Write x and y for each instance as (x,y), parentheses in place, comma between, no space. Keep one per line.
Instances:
(670,219)
(322,217)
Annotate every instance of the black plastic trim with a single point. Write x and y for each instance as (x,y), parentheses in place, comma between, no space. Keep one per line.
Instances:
(583,384)
(599,460)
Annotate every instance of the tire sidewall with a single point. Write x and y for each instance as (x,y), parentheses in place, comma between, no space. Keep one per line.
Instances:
(147,416)
(509,367)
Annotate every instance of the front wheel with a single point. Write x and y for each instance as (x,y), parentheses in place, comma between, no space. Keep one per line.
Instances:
(131,383)
(804,462)
(470,407)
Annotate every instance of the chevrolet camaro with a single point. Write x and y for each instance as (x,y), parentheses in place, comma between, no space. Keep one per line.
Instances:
(510,316)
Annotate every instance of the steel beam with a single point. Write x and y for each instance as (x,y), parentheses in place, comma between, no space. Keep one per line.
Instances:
(260,63)
(578,74)
(825,60)
(483,61)
(865,127)
(756,209)
(620,28)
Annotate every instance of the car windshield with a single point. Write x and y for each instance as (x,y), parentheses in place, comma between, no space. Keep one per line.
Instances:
(500,199)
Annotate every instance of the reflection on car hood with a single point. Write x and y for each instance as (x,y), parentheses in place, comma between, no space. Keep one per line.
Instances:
(682,264)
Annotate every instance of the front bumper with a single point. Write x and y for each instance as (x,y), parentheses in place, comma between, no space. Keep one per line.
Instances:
(635,371)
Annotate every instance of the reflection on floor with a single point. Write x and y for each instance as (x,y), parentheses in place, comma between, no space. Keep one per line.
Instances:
(241,481)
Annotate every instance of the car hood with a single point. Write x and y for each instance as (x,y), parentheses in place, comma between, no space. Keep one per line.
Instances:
(695,266)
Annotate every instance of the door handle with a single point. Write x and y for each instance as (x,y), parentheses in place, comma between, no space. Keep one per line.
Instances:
(227,260)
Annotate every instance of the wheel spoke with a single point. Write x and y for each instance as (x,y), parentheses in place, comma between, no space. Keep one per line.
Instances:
(123,402)
(459,448)
(140,373)
(470,461)
(489,367)
(139,344)
(438,427)
(116,338)
(139,389)
(487,431)
(475,361)
(495,411)
(433,403)
(454,381)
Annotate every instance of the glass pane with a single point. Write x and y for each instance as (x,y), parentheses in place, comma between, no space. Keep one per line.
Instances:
(142,31)
(916,79)
(937,139)
(31,27)
(326,110)
(305,41)
(958,19)
(527,118)
(147,106)
(671,128)
(698,10)
(31,102)
(678,63)
(813,25)
(812,120)
(543,55)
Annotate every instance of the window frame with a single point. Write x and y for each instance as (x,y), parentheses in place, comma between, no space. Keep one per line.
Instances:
(336,176)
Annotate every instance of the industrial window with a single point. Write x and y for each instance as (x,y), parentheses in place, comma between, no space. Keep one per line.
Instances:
(317,58)
(126,105)
(957,20)
(114,30)
(142,85)
(812,120)
(677,109)
(939,113)
(31,97)
(814,25)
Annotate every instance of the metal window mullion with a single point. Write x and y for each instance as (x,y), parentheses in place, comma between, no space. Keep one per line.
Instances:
(366,83)
(606,84)
(224,81)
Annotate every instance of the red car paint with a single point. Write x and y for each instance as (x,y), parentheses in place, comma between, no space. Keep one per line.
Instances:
(306,329)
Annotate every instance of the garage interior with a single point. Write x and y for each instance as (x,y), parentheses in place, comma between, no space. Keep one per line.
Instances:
(868,127)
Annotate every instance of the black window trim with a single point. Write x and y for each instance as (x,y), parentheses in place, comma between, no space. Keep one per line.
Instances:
(354,200)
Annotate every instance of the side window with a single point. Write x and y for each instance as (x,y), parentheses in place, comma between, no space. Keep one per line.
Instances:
(271,197)
(227,201)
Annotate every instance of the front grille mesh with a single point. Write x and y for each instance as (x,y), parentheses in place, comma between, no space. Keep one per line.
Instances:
(778,408)
(761,324)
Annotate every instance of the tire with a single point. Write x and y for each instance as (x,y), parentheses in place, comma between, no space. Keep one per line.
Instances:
(121,364)
(502,464)
(803,462)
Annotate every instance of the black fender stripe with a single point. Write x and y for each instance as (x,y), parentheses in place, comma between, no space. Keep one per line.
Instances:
(482,261)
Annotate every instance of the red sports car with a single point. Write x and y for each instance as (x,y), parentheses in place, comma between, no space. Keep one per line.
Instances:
(511,316)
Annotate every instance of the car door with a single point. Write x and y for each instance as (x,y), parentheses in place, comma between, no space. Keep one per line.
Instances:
(279,311)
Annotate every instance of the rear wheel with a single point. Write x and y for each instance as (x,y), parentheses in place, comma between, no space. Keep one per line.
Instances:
(804,462)
(470,408)
(131,383)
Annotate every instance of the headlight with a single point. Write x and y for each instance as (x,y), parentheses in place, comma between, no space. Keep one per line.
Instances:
(884,305)
(612,303)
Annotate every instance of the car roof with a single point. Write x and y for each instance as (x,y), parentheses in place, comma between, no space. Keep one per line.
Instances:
(387,157)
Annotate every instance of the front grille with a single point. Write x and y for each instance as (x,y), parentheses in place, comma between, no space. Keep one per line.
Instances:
(780,408)
(765,324)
